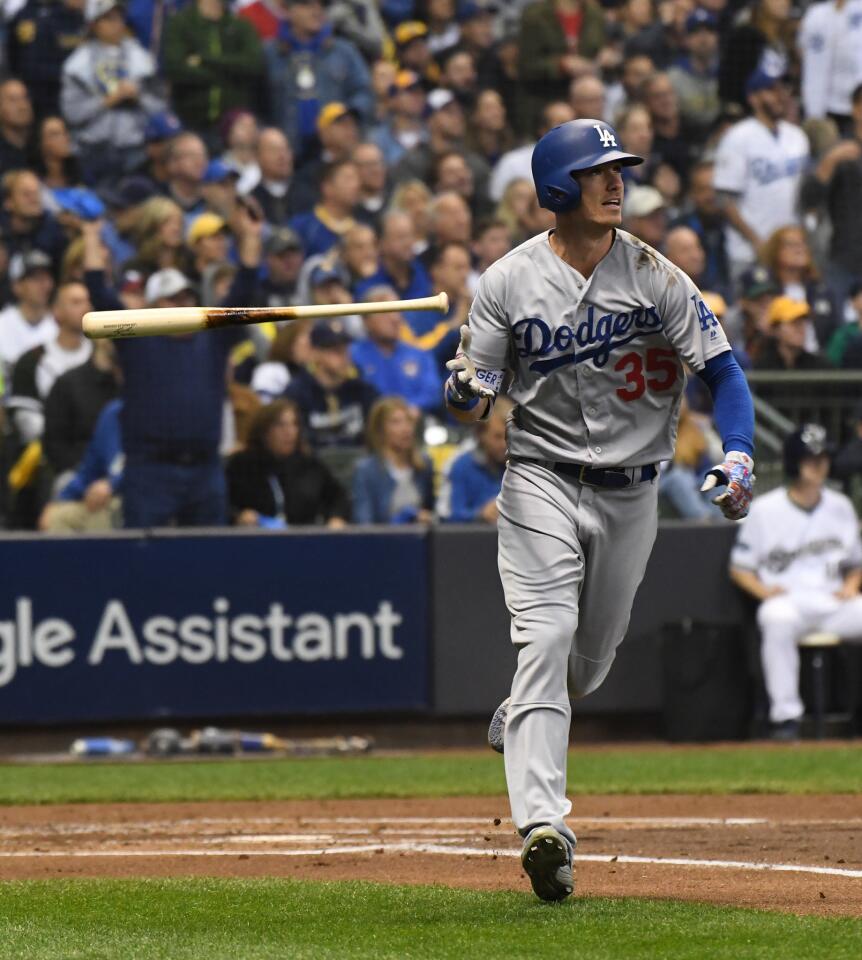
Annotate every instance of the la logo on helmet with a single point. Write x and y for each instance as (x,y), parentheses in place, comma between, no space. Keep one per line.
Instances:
(605,135)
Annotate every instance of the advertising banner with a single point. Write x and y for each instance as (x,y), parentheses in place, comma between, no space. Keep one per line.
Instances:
(167,625)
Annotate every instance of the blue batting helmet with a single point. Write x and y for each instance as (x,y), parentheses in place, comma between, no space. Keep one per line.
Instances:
(570,148)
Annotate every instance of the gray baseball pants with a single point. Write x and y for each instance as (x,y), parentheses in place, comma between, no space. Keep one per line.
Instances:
(571,557)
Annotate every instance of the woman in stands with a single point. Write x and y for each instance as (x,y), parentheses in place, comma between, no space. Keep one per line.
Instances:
(395,483)
(275,482)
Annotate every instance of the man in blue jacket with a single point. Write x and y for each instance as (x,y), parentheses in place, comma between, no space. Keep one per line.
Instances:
(392,366)
(308,67)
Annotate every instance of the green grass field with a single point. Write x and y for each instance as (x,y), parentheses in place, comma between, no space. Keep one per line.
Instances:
(793,769)
(195,919)
(274,920)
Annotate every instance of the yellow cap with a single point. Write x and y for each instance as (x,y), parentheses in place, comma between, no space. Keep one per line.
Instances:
(715,302)
(205,225)
(786,310)
(332,112)
(410,30)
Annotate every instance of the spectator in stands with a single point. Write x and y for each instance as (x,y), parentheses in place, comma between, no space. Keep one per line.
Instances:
(276,190)
(587,96)
(359,253)
(333,400)
(646,215)
(89,502)
(125,203)
(763,36)
(321,228)
(705,217)
(836,184)
(307,68)
(239,132)
(290,352)
(402,126)
(515,164)
(675,138)
(446,128)
(746,323)
(16,125)
(695,74)
(42,35)
(283,260)
(186,165)
(161,128)
(830,42)
(276,481)
(27,321)
(208,239)
(682,247)
(109,89)
(213,61)
(443,30)
(785,350)
(473,478)
(458,74)
(451,222)
(360,22)
(450,273)
(476,24)
(799,555)
(787,256)
(219,189)
(337,138)
(646,31)
(398,268)
(265,16)
(412,51)
(55,161)
(24,222)
(489,134)
(758,170)
(158,237)
(634,127)
(37,370)
(73,406)
(636,69)
(492,241)
(391,366)
(373,191)
(558,40)
(395,483)
(174,390)
(845,345)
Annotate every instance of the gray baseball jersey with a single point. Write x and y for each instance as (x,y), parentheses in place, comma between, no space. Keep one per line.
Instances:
(597,364)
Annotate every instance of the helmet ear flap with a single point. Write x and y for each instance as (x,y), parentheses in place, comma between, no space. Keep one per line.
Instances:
(560,199)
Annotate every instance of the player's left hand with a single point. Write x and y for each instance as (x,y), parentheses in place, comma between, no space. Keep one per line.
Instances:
(737,474)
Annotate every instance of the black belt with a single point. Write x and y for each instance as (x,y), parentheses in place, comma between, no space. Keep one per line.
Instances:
(613,477)
(181,458)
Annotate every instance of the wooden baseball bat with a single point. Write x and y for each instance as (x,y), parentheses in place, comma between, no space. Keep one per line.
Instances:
(114,324)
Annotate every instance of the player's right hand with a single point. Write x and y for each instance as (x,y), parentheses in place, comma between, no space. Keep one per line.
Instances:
(463,382)
(737,474)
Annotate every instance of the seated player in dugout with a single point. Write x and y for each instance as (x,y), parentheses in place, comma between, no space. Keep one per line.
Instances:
(593,327)
(799,555)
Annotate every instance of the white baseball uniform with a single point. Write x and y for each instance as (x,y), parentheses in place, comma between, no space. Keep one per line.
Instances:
(806,553)
(764,169)
(597,376)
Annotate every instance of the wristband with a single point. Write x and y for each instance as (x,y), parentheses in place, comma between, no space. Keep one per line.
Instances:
(467,403)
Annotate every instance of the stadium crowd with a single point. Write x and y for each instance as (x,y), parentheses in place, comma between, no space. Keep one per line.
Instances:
(275,152)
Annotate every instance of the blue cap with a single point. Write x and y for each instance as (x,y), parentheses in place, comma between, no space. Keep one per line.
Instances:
(162,126)
(321,274)
(129,192)
(469,10)
(700,19)
(761,79)
(82,203)
(218,171)
(329,334)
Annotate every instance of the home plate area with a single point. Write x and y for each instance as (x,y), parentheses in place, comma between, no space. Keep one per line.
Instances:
(799,854)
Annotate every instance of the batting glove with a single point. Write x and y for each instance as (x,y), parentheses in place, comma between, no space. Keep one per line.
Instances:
(463,385)
(737,474)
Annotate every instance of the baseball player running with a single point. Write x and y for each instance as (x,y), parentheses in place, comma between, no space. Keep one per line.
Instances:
(593,327)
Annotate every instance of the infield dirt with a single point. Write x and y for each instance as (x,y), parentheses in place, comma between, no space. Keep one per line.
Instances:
(758,851)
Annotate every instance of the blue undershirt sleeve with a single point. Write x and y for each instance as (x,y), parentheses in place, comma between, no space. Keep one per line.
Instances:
(733,410)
